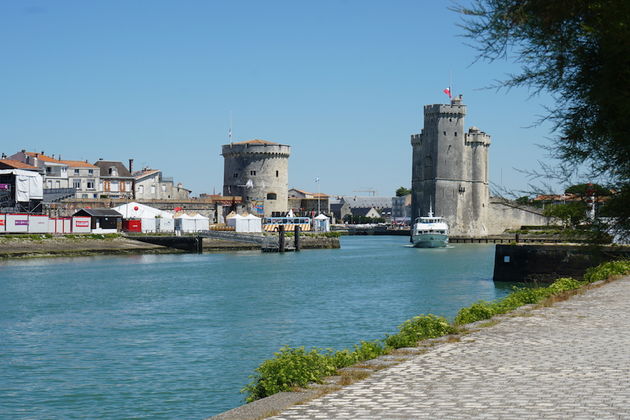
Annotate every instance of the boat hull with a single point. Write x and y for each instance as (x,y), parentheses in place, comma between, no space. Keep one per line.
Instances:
(429,241)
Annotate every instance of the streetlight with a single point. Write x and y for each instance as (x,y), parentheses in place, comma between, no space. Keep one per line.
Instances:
(317,182)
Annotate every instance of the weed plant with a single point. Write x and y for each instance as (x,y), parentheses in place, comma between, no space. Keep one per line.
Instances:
(296,367)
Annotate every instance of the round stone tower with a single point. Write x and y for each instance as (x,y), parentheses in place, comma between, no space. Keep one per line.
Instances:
(258,171)
(450,170)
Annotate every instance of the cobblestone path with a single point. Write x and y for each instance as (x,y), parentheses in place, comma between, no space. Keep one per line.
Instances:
(567,361)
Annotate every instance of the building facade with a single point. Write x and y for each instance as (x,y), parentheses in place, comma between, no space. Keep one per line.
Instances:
(116,180)
(151,185)
(450,170)
(258,171)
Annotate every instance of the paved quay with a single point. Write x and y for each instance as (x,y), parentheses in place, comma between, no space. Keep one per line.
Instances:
(567,361)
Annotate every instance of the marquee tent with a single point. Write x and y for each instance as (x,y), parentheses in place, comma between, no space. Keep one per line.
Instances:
(29,185)
(153,220)
(186,223)
(321,223)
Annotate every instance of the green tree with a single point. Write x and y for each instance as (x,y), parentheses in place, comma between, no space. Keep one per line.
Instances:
(571,214)
(579,51)
(402,191)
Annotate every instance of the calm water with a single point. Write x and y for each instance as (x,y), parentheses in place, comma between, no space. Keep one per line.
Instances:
(176,336)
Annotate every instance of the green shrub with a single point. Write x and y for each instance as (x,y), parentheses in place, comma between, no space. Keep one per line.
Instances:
(475,312)
(564,284)
(369,350)
(332,234)
(419,328)
(291,367)
(607,270)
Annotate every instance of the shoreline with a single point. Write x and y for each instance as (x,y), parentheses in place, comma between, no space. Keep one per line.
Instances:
(32,246)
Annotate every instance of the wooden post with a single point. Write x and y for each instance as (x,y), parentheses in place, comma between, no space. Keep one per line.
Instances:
(297,238)
(281,239)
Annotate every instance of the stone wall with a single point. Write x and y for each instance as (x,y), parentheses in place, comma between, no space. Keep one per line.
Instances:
(504,215)
(546,263)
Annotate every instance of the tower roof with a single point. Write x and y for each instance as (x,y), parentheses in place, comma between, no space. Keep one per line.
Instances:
(256,141)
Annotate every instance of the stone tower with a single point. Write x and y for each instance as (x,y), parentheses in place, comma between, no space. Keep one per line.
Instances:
(450,170)
(257,171)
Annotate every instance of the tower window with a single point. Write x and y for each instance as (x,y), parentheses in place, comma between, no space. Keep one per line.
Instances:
(277,174)
(271,196)
(445,133)
(456,134)
(235,174)
(252,172)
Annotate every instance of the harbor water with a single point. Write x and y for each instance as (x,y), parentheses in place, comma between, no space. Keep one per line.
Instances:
(176,336)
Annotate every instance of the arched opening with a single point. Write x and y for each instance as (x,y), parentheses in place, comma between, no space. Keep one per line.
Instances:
(272,196)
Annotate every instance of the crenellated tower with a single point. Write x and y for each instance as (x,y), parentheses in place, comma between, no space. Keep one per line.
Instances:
(450,170)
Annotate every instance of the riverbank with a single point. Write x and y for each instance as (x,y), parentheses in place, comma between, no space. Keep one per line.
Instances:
(42,246)
(572,343)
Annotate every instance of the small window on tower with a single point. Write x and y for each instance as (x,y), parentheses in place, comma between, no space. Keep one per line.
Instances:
(277,173)
(271,196)
(456,134)
(445,133)
(252,172)
(235,174)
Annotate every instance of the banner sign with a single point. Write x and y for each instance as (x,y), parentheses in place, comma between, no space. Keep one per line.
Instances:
(21,223)
(5,187)
(80,223)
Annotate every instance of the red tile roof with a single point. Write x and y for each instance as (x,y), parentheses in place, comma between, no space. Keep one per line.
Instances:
(42,157)
(78,163)
(18,165)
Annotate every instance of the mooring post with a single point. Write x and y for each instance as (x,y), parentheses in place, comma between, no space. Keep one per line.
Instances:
(297,238)
(281,239)
(199,245)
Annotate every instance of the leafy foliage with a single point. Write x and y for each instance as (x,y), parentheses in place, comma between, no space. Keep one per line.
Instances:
(571,214)
(402,191)
(579,51)
(419,328)
(607,270)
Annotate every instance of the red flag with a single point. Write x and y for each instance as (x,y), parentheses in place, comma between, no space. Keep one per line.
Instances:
(447,91)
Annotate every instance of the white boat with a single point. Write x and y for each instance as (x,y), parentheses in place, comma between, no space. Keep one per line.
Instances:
(429,232)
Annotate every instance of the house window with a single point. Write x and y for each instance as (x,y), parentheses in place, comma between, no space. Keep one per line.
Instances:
(76,172)
(91,171)
(152,189)
(48,169)
(76,184)
(113,171)
(271,196)
(90,184)
(252,172)
(57,184)
(141,189)
(163,187)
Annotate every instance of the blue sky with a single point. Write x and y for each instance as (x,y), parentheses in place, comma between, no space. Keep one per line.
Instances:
(342,82)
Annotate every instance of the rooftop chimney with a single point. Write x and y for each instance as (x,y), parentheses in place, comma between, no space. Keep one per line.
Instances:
(131,165)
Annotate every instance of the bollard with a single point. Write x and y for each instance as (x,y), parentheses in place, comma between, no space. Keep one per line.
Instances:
(281,239)
(297,238)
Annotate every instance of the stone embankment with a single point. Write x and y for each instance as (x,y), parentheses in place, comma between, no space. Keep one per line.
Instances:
(30,246)
(569,360)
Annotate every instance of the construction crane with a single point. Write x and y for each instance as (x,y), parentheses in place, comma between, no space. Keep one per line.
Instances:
(371,191)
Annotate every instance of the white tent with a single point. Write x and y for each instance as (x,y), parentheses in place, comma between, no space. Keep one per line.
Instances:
(250,223)
(233,218)
(201,222)
(29,185)
(186,223)
(153,220)
(321,223)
